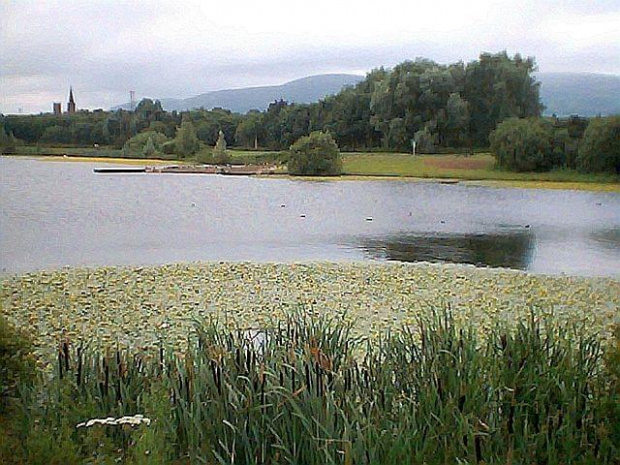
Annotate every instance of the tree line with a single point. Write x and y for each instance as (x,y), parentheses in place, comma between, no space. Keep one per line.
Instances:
(454,105)
(442,108)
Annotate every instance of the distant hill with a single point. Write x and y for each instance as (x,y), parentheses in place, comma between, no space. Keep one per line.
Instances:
(305,90)
(581,94)
(562,93)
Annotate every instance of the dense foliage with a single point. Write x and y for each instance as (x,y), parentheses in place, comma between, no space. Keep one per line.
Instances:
(440,106)
(537,144)
(16,360)
(524,145)
(316,154)
(600,147)
(307,392)
(8,142)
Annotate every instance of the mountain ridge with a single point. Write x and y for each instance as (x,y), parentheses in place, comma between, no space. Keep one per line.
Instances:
(307,89)
(563,94)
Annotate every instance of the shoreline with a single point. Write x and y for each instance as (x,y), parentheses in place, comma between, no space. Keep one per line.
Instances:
(495,183)
(141,305)
(515,184)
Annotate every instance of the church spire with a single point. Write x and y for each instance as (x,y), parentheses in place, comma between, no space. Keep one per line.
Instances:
(71,104)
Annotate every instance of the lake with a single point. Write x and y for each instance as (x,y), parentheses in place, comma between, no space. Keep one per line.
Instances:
(56,214)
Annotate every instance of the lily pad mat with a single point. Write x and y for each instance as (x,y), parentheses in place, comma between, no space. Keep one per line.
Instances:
(137,306)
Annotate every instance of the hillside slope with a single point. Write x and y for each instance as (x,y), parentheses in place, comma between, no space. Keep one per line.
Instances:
(562,93)
(305,90)
(581,94)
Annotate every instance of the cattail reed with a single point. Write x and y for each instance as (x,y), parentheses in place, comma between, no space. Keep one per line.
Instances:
(432,393)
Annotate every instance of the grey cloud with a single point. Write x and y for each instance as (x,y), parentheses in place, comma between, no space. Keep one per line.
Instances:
(98,48)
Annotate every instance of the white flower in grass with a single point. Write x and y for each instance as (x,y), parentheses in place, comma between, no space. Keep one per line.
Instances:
(134,420)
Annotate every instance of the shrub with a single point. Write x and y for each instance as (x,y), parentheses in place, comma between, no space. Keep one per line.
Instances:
(316,154)
(149,148)
(525,145)
(17,363)
(169,148)
(146,144)
(600,148)
(220,154)
(205,156)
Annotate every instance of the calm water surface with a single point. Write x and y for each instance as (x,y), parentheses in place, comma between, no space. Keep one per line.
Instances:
(57,214)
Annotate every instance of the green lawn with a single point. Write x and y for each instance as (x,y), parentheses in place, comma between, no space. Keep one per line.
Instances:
(92,152)
(479,167)
(476,167)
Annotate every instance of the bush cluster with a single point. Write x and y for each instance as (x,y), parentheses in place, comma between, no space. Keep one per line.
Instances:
(600,148)
(17,361)
(537,144)
(316,154)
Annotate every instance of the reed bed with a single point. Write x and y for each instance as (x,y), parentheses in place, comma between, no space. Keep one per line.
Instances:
(309,391)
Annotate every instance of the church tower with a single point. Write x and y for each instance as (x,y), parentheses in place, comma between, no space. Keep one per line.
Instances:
(71,104)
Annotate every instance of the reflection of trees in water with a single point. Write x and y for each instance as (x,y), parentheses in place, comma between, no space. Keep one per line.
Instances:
(608,238)
(509,250)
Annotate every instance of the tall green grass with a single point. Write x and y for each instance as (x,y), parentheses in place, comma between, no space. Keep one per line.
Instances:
(305,391)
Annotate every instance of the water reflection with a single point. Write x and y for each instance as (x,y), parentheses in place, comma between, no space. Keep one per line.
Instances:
(608,238)
(507,250)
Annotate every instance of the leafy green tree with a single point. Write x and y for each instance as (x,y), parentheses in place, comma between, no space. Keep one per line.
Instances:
(498,87)
(347,117)
(249,130)
(524,145)
(425,142)
(457,121)
(57,134)
(149,110)
(273,124)
(208,123)
(600,148)
(146,144)
(316,154)
(149,149)
(220,154)
(186,141)
(7,141)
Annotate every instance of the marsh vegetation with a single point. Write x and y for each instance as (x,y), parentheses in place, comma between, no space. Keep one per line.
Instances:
(305,390)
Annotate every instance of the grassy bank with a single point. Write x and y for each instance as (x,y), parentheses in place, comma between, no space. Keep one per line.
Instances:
(476,167)
(113,161)
(89,152)
(88,155)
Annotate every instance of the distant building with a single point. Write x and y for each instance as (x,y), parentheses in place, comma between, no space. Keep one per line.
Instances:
(57,108)
(71,104)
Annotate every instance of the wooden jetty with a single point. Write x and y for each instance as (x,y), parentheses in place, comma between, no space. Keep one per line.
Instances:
(238,170)
(119,170)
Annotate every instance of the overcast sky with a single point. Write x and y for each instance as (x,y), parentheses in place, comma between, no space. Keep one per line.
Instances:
(164,48)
